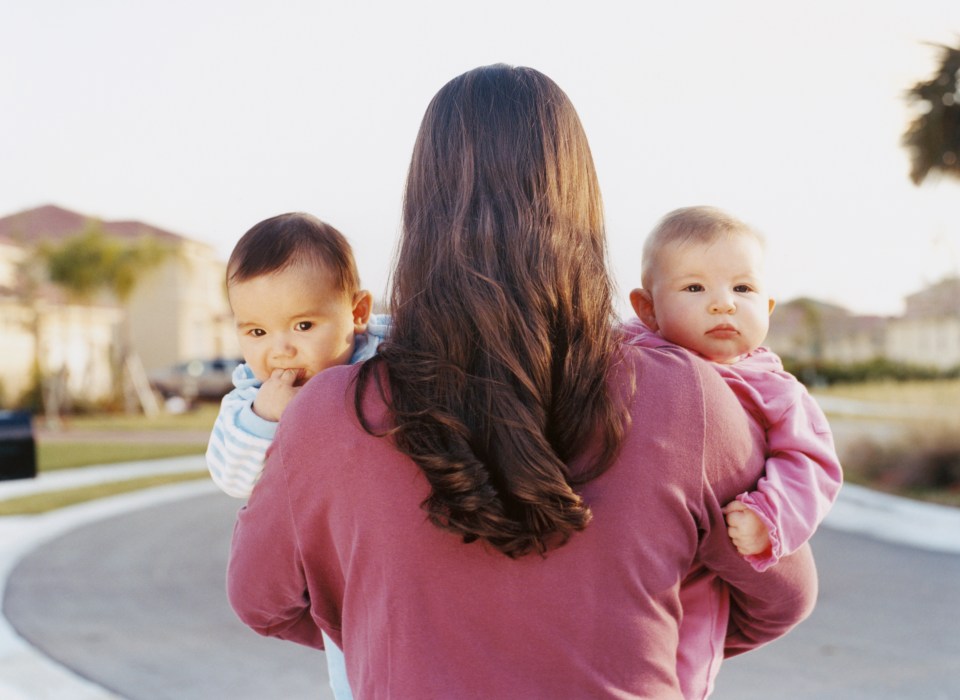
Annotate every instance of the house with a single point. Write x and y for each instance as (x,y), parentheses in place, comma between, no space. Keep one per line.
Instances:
(928,333)
(177,311)
(808,330)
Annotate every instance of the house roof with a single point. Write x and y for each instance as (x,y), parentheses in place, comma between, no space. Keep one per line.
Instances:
(940,299)
(53,223)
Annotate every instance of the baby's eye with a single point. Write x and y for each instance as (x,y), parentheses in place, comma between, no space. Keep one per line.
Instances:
(256,332)
(693,288)
(743,288)
(304,325)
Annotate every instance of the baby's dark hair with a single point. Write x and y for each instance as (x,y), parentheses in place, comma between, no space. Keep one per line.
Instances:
(295,238)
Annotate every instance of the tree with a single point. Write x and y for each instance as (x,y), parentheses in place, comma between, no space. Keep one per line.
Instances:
(933,137)
(92,262)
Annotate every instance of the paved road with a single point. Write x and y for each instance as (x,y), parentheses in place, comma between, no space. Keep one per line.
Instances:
(136,603)
(887,625)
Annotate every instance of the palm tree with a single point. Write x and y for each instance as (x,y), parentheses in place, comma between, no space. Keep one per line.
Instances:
(92,262)
(933,137)
(29,277)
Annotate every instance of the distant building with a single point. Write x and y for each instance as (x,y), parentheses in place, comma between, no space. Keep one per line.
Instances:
(178,310)
(928,333)
(808,330)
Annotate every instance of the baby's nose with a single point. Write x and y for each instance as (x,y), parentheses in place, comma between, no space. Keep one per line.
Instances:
(283,347)
(722,305)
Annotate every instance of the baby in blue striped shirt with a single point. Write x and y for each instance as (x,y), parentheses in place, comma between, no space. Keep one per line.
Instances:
(295,294)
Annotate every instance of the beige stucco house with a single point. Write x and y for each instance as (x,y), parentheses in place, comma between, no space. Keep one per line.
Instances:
(176,312)
(928,333)
(809,330)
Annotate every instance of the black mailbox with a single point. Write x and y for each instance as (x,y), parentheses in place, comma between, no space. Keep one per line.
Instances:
(18,452)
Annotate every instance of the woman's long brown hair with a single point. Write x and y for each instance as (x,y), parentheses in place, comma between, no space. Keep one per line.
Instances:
(503,325)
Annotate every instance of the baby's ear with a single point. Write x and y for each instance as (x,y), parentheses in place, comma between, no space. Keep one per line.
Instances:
(362,308)
(642,302)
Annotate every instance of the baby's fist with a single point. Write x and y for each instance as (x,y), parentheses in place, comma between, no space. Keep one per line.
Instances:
(746,530)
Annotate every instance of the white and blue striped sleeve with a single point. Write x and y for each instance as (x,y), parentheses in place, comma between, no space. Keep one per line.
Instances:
(240,438)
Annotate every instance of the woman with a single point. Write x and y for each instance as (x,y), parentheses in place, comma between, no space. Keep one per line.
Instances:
(503,503)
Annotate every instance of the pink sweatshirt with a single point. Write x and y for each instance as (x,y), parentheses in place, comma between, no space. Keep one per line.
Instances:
(334,538)
(801,480)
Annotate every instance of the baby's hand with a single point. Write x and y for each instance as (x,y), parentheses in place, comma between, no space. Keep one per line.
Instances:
(746,530)
(275,394)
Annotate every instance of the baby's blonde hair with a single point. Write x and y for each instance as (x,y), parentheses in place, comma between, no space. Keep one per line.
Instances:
(699,224)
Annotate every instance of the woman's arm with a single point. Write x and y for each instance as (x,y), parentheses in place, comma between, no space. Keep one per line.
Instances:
(787,597)
(266,584)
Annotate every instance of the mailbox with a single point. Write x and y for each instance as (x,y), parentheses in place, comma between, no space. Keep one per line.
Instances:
(18,451)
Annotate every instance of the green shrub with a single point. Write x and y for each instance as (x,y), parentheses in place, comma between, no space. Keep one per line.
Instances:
(879,369)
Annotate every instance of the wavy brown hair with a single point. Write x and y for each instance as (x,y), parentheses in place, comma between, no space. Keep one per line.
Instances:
(503,324)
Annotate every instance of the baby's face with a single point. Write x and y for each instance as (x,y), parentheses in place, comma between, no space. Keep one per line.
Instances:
(295,318)
(710,298)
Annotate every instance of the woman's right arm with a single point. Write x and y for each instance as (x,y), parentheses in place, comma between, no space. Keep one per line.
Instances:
(764,606)
(266,583)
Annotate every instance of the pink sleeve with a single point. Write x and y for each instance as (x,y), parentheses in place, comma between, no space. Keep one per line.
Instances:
(763,606)
(266,584)
(801,480)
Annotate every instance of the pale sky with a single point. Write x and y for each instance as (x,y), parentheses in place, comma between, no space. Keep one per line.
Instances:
(204,117)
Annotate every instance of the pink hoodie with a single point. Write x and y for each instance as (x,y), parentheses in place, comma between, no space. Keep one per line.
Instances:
(802,477)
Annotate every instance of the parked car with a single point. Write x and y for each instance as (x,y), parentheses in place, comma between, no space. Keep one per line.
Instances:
(196,380)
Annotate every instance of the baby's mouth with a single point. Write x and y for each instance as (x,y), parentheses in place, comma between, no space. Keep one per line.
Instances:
(724,330)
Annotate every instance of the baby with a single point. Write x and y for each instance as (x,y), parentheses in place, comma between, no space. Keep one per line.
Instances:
(295,293)
(703,290)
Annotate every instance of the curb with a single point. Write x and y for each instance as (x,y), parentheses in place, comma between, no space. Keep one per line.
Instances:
(898,520)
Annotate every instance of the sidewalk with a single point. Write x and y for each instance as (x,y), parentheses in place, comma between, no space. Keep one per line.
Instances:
(26,674)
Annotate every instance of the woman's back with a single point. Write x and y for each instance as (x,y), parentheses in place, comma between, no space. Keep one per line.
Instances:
(424,615)
(504,501)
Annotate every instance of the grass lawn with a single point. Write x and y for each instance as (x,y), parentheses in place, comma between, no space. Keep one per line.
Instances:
(921,458)
(67,455)
(942,393)
(77,444)
(38,503)
(200,418)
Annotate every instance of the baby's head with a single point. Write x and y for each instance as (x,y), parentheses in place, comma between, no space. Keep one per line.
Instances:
(703,285)
(295,294)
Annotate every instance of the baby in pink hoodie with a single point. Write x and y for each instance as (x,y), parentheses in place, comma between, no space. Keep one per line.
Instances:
(703,290)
